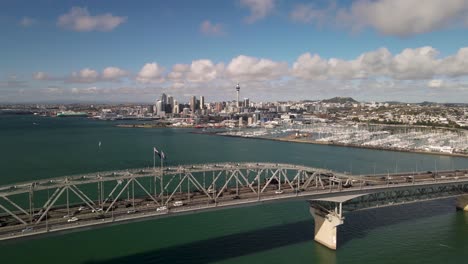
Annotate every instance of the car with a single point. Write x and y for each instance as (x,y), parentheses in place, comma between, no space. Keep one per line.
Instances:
(131,211)
(81,208)
(27,229)
(97,210)
(236,197)
(73,219)
(66,216)
(279,192)
(178,203)
(161,208)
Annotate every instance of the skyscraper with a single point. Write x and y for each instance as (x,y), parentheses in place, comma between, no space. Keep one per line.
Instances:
(163,103)
(237,90)
(159,108)
(175,107)
(202,102)
(193,104)
(170,104)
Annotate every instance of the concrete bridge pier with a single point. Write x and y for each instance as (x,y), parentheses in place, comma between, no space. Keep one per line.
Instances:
(326,224)
(462,202)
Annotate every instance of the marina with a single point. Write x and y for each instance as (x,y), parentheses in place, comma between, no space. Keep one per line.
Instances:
(410,139)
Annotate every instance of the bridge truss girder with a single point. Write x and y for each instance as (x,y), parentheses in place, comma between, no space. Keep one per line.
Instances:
(248,178)
(401,196)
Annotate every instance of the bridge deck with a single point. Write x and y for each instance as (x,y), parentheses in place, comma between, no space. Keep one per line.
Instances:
(188,189)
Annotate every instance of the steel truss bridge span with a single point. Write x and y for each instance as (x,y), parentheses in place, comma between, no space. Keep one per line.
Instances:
(56,204)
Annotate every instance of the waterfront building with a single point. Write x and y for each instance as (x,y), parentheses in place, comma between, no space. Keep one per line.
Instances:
(237,91)
(202,102)
(175,107)
(170,104)
(193,104)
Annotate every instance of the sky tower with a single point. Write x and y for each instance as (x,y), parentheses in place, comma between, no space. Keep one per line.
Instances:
(238,89)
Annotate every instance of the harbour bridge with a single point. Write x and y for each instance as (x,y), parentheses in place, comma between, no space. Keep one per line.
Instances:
(101,198)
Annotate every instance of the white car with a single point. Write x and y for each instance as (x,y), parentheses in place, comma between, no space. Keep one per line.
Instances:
(162,208)
(178,203)
(131,211)
(27,229)
(73,219)
(81,208)
(279,192)
(97,210)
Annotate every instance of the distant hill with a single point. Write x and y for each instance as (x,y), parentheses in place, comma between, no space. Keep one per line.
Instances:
(340,100)
(425,103)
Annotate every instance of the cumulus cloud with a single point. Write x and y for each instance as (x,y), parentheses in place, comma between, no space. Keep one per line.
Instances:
(85,75)
(113,74)
(258,9)
(389,17)
(86,90)
(42,76)
(405,17)
(308,13)
(79,19)
(151,73)
(435,83)
(410,64)
(255,69)
(455,65)
(213,29)
(27,22)
(199,71)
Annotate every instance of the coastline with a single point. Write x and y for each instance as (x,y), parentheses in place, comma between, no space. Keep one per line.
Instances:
(349,145)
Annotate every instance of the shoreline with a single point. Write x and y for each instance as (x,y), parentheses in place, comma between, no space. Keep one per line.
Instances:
(349,145)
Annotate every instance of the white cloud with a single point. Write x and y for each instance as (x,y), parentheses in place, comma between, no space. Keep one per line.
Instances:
(27,22)
(410,64)
(42,76)
(85,75)
(456,65)
(113,74)
(420,63)
(151,73)
(79,19)
(308,13)
(244,68)
(435,83)
(405,17)
(213,29)
(199,71)
(389,17)
(258,9)
(87,90)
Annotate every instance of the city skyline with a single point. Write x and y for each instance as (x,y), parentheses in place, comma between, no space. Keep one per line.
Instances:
(276,50)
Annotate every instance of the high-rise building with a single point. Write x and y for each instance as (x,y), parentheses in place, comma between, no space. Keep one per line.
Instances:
(202,102)
(170,104)
(219,107)
(175,107)
(246,103)
(237,91)
(193,104)
(159,109)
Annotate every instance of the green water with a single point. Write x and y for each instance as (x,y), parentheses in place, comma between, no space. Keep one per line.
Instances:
(431,232)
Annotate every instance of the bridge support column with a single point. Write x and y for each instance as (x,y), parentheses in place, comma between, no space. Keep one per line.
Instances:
(326,225)
(462,202)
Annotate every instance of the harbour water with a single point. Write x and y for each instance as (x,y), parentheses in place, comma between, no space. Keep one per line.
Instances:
(37,147)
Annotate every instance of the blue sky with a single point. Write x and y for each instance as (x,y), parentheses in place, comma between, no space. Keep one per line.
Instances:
(277,49)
